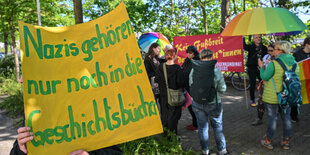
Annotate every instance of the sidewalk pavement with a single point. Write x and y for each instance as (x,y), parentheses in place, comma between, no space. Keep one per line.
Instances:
(7,133)
(241,136)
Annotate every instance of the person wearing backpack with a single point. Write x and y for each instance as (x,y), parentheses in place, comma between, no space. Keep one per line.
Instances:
(301,54)
(255,50)
(206,83)
(273,75)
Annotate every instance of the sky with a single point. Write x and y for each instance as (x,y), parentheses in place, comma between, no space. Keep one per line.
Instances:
(304,17)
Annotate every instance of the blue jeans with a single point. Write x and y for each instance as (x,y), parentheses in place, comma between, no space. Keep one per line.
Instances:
(272,116)
(212,112)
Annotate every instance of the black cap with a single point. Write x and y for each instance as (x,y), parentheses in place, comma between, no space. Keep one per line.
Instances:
(192,49)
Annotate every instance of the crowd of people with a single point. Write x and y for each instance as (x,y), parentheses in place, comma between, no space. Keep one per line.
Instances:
(261,66)
(189,76)
(204,82)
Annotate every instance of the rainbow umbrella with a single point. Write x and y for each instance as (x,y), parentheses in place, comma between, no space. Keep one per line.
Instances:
(147,39)
(264,21)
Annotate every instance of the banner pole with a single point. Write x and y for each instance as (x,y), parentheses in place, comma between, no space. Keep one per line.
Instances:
(245,92)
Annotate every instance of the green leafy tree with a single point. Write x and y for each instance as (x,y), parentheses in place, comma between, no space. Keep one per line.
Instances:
(137,11)
(25,10)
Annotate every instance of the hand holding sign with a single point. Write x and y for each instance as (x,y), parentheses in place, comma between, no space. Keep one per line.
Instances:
(24,136)
(79,152)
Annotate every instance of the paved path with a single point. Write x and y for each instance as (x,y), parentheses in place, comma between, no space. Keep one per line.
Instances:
(7,133)
(241,136)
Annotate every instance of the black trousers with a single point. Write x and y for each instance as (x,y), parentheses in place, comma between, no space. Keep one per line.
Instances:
(294,113)
(253,74)
(194,119)
(170,116)
(260,105)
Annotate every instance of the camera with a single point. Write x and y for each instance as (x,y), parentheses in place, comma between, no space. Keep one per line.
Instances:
(259,53)
(259,56)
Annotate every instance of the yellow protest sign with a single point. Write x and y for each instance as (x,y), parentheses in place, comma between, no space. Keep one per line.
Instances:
(85,86)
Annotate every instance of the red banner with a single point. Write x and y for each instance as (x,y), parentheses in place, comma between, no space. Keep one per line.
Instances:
(227,50)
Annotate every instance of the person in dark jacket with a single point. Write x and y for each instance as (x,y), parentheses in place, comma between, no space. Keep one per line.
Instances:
(260,105)
(255,51)
(151,60)
(24,136)
(192,53)
(300,55)
(170,115)
(151,63)
(304,52)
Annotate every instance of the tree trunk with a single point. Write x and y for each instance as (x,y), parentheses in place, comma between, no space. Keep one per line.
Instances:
(39,12)
(224,13)
(205,25)
(235,7)
(187,26)
(12,29)
(5,36)
(202,6)
(78,11)
(171,14)
(243,5)
(271,3)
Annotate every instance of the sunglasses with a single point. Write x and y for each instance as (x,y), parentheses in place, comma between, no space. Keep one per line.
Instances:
(270,50)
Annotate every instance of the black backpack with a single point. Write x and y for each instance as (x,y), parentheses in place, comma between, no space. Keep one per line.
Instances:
(291,92)
(202,90)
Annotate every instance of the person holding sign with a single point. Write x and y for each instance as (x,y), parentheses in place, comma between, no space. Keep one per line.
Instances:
(170,115)
(255,51)
(24,136)
(260,105)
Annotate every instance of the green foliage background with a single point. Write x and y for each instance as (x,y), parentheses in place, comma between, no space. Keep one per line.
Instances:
(169,17)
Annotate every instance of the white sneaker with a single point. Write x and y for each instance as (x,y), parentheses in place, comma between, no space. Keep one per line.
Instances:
(205,152)
(223,152)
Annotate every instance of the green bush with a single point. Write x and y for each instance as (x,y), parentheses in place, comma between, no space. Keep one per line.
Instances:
(14,104)
(155,145)
(8,85)
(7,65)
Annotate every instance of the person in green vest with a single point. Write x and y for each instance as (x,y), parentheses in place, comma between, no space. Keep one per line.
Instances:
(274,73)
